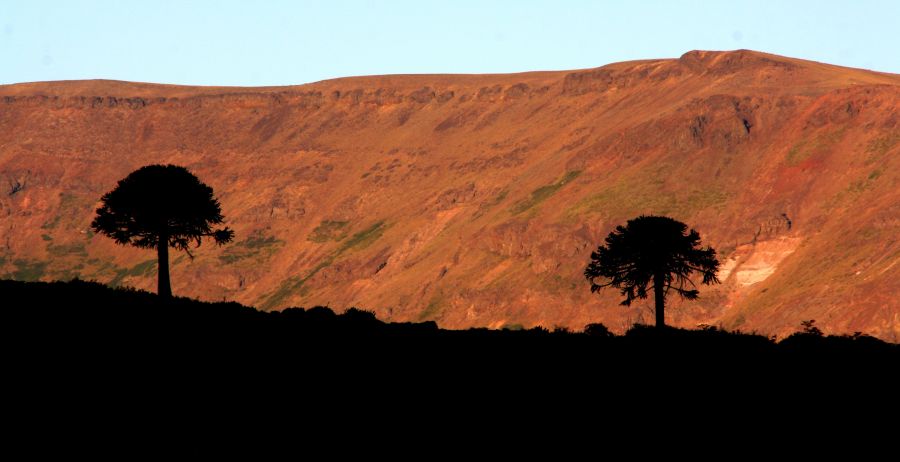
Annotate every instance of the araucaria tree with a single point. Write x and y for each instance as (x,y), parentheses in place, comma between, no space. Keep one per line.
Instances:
(652,250)
(161,206)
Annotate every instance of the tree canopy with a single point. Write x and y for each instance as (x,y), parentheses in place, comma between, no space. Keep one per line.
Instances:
(161,206)
(655,250)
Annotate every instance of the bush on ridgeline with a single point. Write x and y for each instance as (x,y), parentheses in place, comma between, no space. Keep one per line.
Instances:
(597,330)
(359,316)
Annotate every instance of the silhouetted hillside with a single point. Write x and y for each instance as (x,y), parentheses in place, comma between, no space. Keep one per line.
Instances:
(88,314)
(156,374)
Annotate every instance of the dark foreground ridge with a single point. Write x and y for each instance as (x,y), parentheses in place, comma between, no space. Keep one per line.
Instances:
(81,353)
(89,314)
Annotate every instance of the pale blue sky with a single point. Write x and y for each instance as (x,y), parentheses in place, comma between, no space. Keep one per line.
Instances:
(290,42)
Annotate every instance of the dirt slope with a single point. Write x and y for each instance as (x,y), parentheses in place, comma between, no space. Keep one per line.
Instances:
(475,200)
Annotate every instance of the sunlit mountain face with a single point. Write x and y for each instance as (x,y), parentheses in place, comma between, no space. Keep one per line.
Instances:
(476,200)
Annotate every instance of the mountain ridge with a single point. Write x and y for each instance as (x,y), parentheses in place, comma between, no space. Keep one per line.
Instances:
(476,200)
(703,58)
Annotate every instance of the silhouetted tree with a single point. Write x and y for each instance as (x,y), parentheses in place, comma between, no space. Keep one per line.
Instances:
(652,249)
(161,206)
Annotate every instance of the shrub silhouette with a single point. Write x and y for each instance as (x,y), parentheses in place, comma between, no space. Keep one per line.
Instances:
(597,330)
(652,249)
(161,206)
(809,328)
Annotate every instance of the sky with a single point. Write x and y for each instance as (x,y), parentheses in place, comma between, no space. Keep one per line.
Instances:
(255,43)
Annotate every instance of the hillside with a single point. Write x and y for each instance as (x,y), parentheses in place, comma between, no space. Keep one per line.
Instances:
(475,200)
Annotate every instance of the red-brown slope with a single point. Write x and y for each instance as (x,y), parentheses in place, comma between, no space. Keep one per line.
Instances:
(475,200)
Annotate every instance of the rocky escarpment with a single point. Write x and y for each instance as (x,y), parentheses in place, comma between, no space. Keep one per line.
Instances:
(476,200)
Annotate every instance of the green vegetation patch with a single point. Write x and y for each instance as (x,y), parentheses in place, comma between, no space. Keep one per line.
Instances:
(556,284)
(629,196)
(543,193)
(364,238)
(64,250)
(855,189)
(358,241)
(53,223)
(294,284)
(805,149)
(254,246)
(68,274)
(862,185)
(498,199)
(46,237)
(67,202)
(144,269)
(878,147)
(28,271)
(493,202)
(433,310)
(329,230)
(260,242)
(874,174)
(103,269)
(287,287)
(798,153)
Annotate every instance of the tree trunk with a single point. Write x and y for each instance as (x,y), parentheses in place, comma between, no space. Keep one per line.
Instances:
(658,282)
(164,287)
